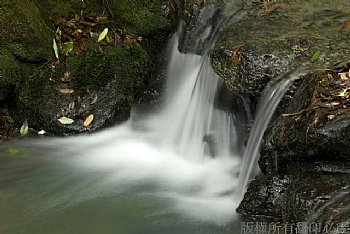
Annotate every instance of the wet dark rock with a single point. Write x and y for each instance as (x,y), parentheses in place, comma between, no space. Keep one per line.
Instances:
(298,197)
(263,197)
(274,39)
(308,132)
(305,159)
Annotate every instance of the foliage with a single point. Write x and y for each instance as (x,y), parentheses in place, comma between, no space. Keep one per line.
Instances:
(102,34)
(315,56)
(65,120)
(24,128)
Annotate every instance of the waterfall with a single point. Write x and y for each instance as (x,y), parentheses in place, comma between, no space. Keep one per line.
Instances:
(189,123)
(270,98)
(184,154)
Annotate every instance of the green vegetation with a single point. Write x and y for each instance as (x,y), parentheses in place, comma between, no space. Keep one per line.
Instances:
(143,17)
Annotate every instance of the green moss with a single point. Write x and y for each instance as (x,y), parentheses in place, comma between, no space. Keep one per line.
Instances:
(19,51)
(9,75)
(65,8)
(24,30)
(143,17)
(123,69)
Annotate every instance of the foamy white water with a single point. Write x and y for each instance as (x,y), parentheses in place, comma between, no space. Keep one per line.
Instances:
(185,153)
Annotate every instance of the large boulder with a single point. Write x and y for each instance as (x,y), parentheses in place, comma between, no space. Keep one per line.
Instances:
(277,37)
(10,76)
(314,126)
(25,42)
(305,161)
(25,32)
(101,81)
(95,78)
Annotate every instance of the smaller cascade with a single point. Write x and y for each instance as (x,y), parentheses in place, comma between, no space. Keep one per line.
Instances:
(270,98)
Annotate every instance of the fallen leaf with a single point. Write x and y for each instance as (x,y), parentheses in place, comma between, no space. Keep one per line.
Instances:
(65,120)
(102,34)
(237,56)
(88,120)
(66,91)
(55,48)
(24,128)
(315,56)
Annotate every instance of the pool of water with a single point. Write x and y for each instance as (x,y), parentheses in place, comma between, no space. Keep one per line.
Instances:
(91,188)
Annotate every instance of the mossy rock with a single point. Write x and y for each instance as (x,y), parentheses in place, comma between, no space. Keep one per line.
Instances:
(105,83)
(24,31)
(68,8)
(10,76)
(271,41)
(144,17)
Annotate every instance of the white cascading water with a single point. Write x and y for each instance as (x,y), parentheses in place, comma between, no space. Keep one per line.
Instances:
(167,150)
(189,116)
(270,98)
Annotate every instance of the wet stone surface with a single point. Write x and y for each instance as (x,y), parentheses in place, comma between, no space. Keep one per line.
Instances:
(266,43)
(304,154)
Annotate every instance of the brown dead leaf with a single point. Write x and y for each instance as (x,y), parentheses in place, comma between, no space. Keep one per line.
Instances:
(237,57)
(88,120)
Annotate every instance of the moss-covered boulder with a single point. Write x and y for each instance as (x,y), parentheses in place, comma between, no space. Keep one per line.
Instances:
(148,18)
(25,42)
(10,76)
(102,82)
(144,17)
(100,79)
(24,31)
(278,36)
(68,8)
